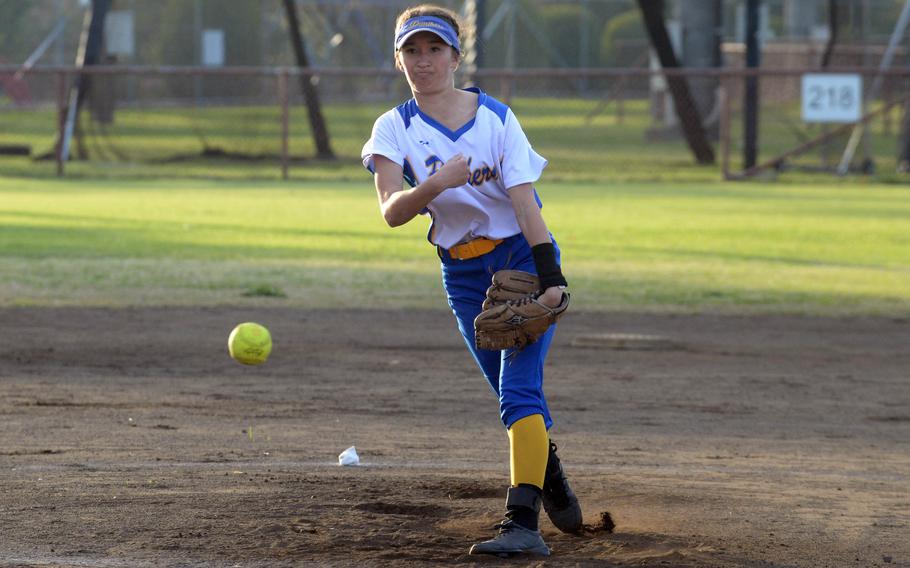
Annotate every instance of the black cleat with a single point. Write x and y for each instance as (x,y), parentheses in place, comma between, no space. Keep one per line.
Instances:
(559,501)
(512,539)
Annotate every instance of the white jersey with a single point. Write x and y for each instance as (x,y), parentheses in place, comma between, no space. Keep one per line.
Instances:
(499,158)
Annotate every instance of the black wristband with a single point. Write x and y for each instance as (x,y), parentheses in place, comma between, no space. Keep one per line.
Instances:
(547,268)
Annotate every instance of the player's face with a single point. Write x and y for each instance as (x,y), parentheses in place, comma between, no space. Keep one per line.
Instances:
(428,62)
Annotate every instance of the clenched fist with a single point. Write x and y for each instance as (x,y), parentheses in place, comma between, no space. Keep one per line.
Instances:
(453,173)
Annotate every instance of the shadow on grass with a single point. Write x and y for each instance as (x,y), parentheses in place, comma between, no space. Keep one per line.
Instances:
(162,240)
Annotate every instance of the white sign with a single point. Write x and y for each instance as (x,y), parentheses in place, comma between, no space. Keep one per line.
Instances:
(832,98)
(213,48)
(118,33)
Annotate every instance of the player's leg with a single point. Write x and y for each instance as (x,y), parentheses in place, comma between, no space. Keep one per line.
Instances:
(521,387)
(466,284)
(522,404)
(520,533)
(524,412)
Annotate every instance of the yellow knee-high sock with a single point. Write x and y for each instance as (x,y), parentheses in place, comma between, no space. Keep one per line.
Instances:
(529,446)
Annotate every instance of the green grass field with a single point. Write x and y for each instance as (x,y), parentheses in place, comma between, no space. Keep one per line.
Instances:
(641,226)
(722,247)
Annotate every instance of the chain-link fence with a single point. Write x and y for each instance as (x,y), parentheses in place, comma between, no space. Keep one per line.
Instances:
(337,33)
(578,73)
(180,120)
(834,123)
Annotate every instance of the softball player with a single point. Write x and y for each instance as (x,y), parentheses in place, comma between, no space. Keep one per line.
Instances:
(471,168)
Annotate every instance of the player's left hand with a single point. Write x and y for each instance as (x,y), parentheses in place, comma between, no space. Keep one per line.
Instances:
(551,297)
(515,314)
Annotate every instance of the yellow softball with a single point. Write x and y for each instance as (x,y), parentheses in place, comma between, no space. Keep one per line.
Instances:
(250,343)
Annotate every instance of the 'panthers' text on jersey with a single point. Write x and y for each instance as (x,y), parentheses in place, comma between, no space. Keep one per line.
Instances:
(499,157)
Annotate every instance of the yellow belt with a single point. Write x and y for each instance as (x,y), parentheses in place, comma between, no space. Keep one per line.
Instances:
(473,249)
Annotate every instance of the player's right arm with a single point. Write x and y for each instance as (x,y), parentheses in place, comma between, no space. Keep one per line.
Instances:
(400,205)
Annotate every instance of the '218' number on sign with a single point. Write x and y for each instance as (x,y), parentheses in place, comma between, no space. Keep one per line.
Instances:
(832,98)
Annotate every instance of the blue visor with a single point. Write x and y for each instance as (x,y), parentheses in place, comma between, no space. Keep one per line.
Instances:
(431,24)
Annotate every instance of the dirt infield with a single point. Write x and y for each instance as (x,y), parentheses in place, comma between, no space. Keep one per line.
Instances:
(129,438)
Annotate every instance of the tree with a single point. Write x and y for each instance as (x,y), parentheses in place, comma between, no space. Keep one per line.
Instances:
(311,95)
(701,22)
(689,117)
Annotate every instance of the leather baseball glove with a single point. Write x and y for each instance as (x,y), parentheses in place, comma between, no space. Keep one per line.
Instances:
(512,316)
(511,285)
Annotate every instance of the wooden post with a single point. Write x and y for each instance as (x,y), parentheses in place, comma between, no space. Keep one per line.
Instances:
(886,116)
(61,120)
(724,130)
(285,120)
(903,155)
(505,89)
(750,94)
(620,105)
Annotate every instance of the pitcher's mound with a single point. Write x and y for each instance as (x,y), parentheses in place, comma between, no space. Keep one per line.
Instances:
(627,341)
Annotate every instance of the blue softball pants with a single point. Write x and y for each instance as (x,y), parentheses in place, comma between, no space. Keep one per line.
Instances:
(516,378)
